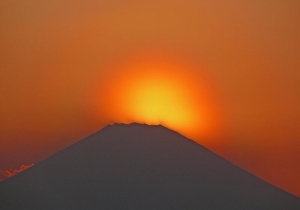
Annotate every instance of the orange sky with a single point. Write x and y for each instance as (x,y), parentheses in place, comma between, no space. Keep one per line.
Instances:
(55,57)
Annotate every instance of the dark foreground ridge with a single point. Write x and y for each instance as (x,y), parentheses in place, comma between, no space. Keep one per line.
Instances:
(139,167)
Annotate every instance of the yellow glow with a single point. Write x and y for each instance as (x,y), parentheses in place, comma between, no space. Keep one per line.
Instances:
(160,91)
(159,102)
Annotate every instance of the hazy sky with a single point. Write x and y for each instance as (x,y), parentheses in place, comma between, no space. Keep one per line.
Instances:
(54,53)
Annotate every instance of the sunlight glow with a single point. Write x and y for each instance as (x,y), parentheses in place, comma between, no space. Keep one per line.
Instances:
(156,90)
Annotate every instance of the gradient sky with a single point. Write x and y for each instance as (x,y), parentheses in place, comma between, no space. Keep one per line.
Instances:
(54,56)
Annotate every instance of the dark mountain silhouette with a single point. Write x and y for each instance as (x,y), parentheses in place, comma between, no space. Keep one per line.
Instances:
(139,167)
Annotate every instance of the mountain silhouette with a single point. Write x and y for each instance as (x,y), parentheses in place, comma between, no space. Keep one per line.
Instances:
(139,167)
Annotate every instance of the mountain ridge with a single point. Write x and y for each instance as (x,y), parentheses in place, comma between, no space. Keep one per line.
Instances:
(137,166)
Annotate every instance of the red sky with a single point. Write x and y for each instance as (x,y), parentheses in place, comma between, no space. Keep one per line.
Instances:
(56,56)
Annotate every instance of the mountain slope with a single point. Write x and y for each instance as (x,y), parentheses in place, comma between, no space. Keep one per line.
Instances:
(139,167)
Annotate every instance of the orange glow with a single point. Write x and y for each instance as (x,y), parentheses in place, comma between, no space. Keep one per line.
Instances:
(155,89)
(5,174)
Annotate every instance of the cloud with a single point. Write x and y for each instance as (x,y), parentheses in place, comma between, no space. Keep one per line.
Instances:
(5,174)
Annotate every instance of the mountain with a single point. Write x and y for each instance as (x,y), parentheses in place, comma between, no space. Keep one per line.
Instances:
(139,167)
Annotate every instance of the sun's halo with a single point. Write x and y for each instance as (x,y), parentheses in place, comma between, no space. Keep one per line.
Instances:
(160,91)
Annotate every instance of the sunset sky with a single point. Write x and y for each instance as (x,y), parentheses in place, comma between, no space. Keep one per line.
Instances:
(224,73)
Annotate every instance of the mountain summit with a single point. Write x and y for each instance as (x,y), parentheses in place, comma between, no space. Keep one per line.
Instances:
(139,167)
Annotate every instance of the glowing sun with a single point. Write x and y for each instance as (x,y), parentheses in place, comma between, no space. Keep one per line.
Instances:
(157,90)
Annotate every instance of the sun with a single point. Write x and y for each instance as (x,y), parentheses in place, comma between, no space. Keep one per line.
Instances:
(157,90)
(159,96)
(159,103)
